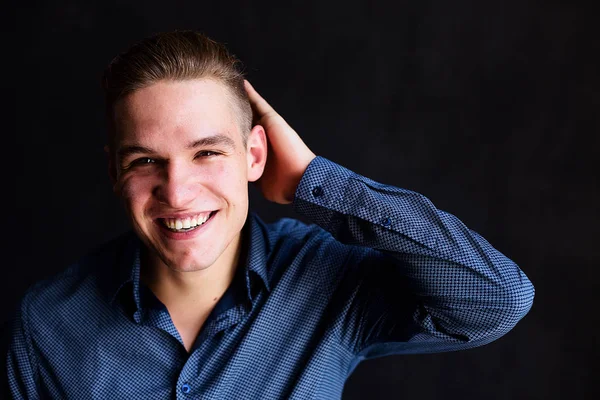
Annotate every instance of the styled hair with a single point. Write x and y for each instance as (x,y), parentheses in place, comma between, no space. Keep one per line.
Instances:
(177,56)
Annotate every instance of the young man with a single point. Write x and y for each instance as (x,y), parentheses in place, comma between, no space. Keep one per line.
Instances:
(203,299)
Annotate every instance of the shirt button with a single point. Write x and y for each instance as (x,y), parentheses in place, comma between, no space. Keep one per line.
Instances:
(317,191)
(185,388)
(387,221)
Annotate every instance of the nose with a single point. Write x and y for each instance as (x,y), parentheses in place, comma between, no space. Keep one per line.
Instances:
(177,188)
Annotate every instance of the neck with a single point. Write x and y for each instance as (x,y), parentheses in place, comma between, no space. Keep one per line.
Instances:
(183,288)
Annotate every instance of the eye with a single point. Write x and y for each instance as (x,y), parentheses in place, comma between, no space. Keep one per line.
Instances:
(207,153)
(143,161)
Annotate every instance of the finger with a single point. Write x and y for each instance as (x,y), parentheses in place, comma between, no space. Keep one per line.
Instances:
(260,105)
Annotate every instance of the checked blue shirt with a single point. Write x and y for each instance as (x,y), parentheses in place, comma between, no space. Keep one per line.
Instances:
(380,272)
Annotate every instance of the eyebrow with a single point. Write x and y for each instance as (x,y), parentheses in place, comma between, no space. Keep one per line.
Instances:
(214,140)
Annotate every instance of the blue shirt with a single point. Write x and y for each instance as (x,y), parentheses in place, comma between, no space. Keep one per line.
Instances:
(380,272)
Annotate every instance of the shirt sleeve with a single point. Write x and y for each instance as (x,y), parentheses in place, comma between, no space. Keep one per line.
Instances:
(21,381)
(418,280)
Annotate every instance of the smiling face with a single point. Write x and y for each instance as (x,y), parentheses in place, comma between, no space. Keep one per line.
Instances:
(182,170)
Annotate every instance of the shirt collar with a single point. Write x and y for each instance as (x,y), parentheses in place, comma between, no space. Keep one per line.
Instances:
(255,248)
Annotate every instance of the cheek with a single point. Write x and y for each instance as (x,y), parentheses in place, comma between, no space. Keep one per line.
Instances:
(135,190)
(225,177)
(234,181)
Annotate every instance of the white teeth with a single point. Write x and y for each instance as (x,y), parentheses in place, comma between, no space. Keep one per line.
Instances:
(187,223)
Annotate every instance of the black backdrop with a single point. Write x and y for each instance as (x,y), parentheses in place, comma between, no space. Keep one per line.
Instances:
(488,108)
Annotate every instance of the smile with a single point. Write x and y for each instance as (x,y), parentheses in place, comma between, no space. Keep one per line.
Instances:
(186,224)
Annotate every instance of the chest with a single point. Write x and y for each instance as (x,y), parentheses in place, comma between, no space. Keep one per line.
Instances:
(278,348)
(189,323)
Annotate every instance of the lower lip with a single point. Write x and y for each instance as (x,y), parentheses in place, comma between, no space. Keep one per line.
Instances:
(185,235)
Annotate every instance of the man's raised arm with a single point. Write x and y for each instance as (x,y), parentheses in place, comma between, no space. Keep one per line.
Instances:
(418,280)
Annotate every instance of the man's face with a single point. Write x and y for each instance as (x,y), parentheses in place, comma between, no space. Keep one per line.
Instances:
(182,170)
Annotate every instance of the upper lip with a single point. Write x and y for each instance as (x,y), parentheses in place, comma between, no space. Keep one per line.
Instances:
(182,215)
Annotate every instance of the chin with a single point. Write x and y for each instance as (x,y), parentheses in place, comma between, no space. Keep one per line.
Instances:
(188,263)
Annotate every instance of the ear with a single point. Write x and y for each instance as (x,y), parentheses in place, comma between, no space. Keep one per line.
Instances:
(256,152)
(112,169)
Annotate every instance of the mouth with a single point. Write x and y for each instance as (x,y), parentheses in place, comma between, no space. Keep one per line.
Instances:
(190,224)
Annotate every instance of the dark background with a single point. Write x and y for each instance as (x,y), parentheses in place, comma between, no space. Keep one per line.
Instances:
(488,108)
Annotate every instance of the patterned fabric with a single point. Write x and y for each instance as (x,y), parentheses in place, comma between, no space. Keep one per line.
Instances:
(380,272)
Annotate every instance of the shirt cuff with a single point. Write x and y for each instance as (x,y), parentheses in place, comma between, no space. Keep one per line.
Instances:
(320,193)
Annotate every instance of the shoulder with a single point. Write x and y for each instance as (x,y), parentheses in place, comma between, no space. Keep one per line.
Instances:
(308,243)
(293,230)
(76,286)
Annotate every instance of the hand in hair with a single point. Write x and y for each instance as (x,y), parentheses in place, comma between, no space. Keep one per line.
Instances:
(288,156)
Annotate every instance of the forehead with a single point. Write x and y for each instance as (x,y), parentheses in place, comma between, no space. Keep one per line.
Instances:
(188,109)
